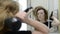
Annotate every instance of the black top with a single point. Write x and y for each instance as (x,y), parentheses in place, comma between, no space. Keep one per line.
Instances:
(18,32)
(48,24)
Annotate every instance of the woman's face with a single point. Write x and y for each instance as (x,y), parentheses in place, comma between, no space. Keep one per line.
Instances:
(41,15)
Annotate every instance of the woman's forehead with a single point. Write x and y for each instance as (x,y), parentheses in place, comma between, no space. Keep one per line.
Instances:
(39,11)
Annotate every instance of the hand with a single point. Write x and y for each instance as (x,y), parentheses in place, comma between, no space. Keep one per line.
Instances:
(21,15)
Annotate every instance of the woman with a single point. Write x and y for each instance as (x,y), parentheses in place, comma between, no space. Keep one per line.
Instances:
(41,28)
(10,9)
(41,15)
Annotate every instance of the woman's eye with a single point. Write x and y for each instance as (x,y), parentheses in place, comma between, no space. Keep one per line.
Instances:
(41,13)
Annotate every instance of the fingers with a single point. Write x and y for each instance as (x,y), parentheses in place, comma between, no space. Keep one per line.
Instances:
(28,9)
(21,14)
(29,12)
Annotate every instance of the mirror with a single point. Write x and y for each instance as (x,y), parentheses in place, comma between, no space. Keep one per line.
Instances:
(49,5)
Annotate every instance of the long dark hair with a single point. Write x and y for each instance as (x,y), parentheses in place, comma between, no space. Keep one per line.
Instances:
(40,8)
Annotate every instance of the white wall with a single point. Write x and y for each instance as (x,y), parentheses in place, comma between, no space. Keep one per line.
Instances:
(23,6)
(53,6)
(43,3)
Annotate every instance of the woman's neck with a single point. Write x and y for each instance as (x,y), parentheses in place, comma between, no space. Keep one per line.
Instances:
(43,21)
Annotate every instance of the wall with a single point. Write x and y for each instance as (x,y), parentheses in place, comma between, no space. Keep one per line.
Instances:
(22,7)
(59,13)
